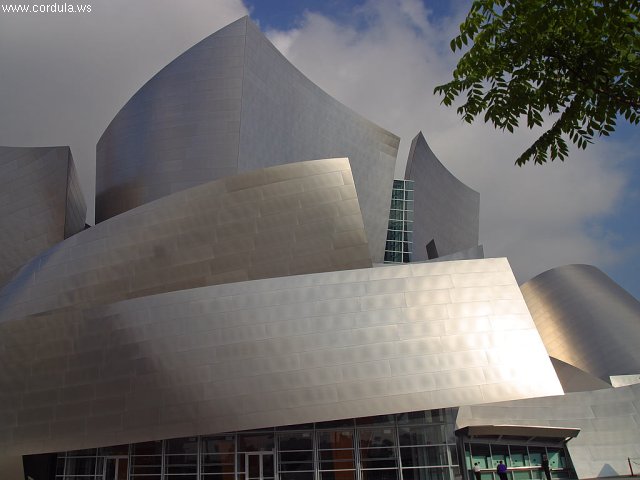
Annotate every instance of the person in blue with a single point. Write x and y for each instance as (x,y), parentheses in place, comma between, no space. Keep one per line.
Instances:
(502,470)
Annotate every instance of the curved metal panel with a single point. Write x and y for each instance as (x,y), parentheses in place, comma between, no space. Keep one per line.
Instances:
(575,380)
(608,421)
(284,220)
(270,352)
(586,320)
(40,203)
(445,209)
(229,104)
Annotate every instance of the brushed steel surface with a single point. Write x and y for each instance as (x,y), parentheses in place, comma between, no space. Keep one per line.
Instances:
(40,203)
(233,103)
(266,352)
(282,220)
(586,320)
(609,420)
(445,209)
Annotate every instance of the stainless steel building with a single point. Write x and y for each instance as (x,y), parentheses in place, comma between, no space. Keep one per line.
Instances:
(229,317)
(40,203)
(446,211)
(230,104)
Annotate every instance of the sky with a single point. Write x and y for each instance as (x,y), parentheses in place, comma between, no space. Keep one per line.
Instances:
(63,77)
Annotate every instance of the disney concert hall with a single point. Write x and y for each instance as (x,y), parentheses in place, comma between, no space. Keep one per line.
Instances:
(260,299)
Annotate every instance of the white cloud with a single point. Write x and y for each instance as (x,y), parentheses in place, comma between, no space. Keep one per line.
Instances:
(385,66)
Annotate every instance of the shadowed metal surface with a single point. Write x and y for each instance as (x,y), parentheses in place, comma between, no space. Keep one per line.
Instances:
(269,352)
(573,379)
(285,220)
(586,320)
(40,203)
(229,104)
(608,421)
(445,209)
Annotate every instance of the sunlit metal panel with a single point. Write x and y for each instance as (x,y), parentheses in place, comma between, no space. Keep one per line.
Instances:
(285,220)
(266,352)
(586,320)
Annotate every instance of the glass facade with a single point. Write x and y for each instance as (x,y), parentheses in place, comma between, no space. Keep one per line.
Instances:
(524,461)
(399,244)
(407,446)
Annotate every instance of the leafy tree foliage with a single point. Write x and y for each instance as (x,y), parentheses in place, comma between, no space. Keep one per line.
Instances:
(578,60)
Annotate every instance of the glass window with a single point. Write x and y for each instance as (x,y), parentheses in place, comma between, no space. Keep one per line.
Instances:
(182,445)
(337,439)
(394,235)
(481,454)
(409,418)
(60,464)
(394,246)
(396,215)
(146,465)
(500,453)
(535,455)
(380,474)
(428,435)
(378,458)
(518,456)
(337,463)
(218,444)
(181,457)
(338,475)
(424,456)
(377,437)
(256,442)
(425,474)
(556,458)
(296,475)
(397,204)
(80,466)
(147,448)
(396,224)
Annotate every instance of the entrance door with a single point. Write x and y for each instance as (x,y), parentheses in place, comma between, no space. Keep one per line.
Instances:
(259,466)
(115,468)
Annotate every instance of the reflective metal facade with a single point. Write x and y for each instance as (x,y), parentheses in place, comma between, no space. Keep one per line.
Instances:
(229,104)
(284,220)
(608,420)
(40,203)
(228,288)
(586,320)
(269,352)
(445,209)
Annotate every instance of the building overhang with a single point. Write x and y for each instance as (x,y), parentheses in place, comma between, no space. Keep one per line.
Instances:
(518,433)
